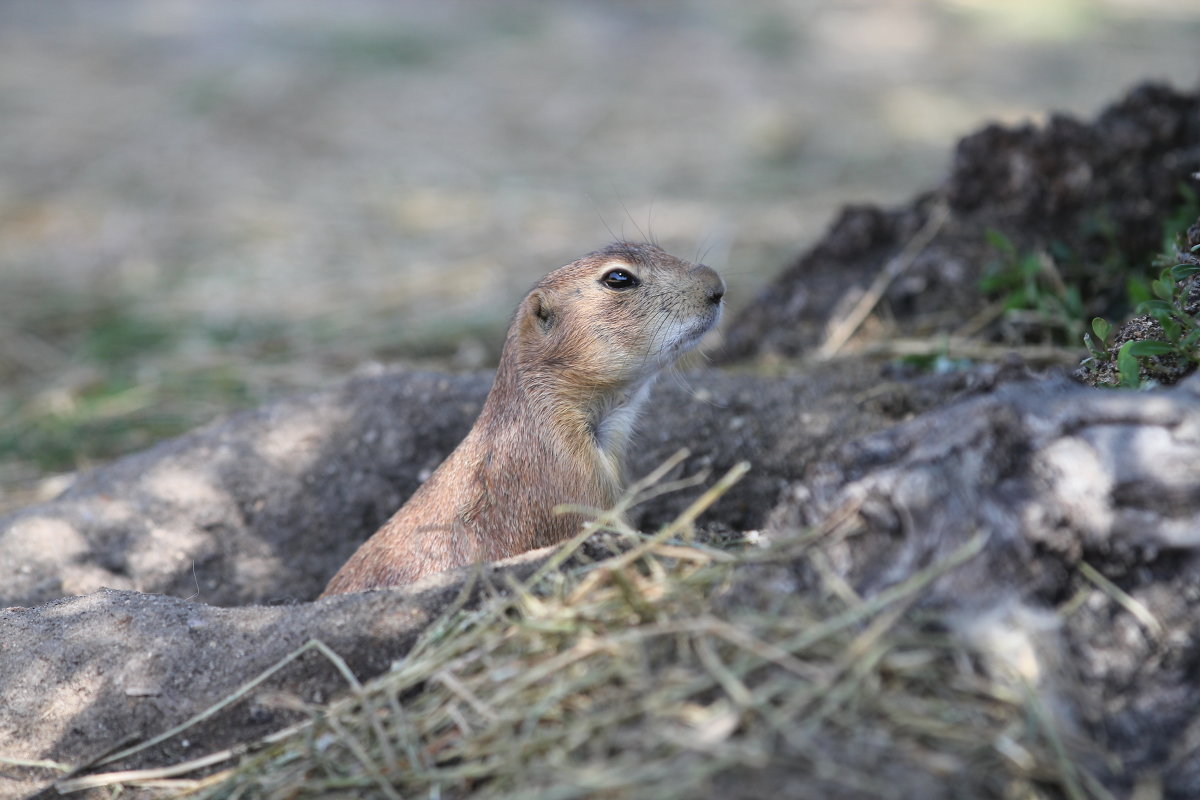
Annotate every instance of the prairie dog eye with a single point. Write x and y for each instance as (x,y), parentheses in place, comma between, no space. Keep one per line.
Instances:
(620,279)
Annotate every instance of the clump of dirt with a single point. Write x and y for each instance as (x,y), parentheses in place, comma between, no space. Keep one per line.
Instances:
(1096,192)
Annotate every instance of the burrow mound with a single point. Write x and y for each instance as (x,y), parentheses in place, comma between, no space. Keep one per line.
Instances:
(1097,192)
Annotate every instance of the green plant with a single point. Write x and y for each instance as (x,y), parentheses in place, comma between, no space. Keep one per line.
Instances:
(1165,347)
(1050,292)
(1184,215)
(1034,294)
(1173,310)
(1098,346)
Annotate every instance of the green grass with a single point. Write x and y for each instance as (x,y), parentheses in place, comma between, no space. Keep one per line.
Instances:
(112,380)
(88,377)
(350,47)
(114,415)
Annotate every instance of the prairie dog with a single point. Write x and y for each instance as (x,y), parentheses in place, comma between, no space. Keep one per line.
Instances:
(581,353)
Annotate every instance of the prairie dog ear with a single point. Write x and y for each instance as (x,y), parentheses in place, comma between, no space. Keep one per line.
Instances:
(540,311)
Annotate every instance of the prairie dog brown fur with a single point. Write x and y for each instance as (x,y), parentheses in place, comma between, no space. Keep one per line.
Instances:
(581,353)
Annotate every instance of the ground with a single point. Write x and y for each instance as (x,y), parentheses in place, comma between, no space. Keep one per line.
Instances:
(203,206)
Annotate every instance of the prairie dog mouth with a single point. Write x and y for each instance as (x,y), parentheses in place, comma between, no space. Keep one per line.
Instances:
(690,336)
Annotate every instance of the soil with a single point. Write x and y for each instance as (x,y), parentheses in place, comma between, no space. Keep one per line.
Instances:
(199,536)
(1098,191)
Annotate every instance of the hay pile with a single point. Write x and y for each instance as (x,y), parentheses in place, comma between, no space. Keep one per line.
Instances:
(671,668)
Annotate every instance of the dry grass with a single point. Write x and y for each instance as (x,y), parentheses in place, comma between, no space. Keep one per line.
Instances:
(670,669)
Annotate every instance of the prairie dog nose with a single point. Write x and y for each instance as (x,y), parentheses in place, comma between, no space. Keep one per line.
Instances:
(716,284)
(717,292)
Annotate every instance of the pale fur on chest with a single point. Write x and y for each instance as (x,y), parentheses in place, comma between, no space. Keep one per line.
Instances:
(614,423)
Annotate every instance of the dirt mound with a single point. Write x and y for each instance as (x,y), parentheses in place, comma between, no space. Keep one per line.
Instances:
(263,508)
(1069,483)
(1098,192)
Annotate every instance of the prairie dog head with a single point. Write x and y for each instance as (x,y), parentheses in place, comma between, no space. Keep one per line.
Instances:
(617,316)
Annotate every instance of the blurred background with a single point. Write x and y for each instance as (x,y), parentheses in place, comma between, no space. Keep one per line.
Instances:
(205,204)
